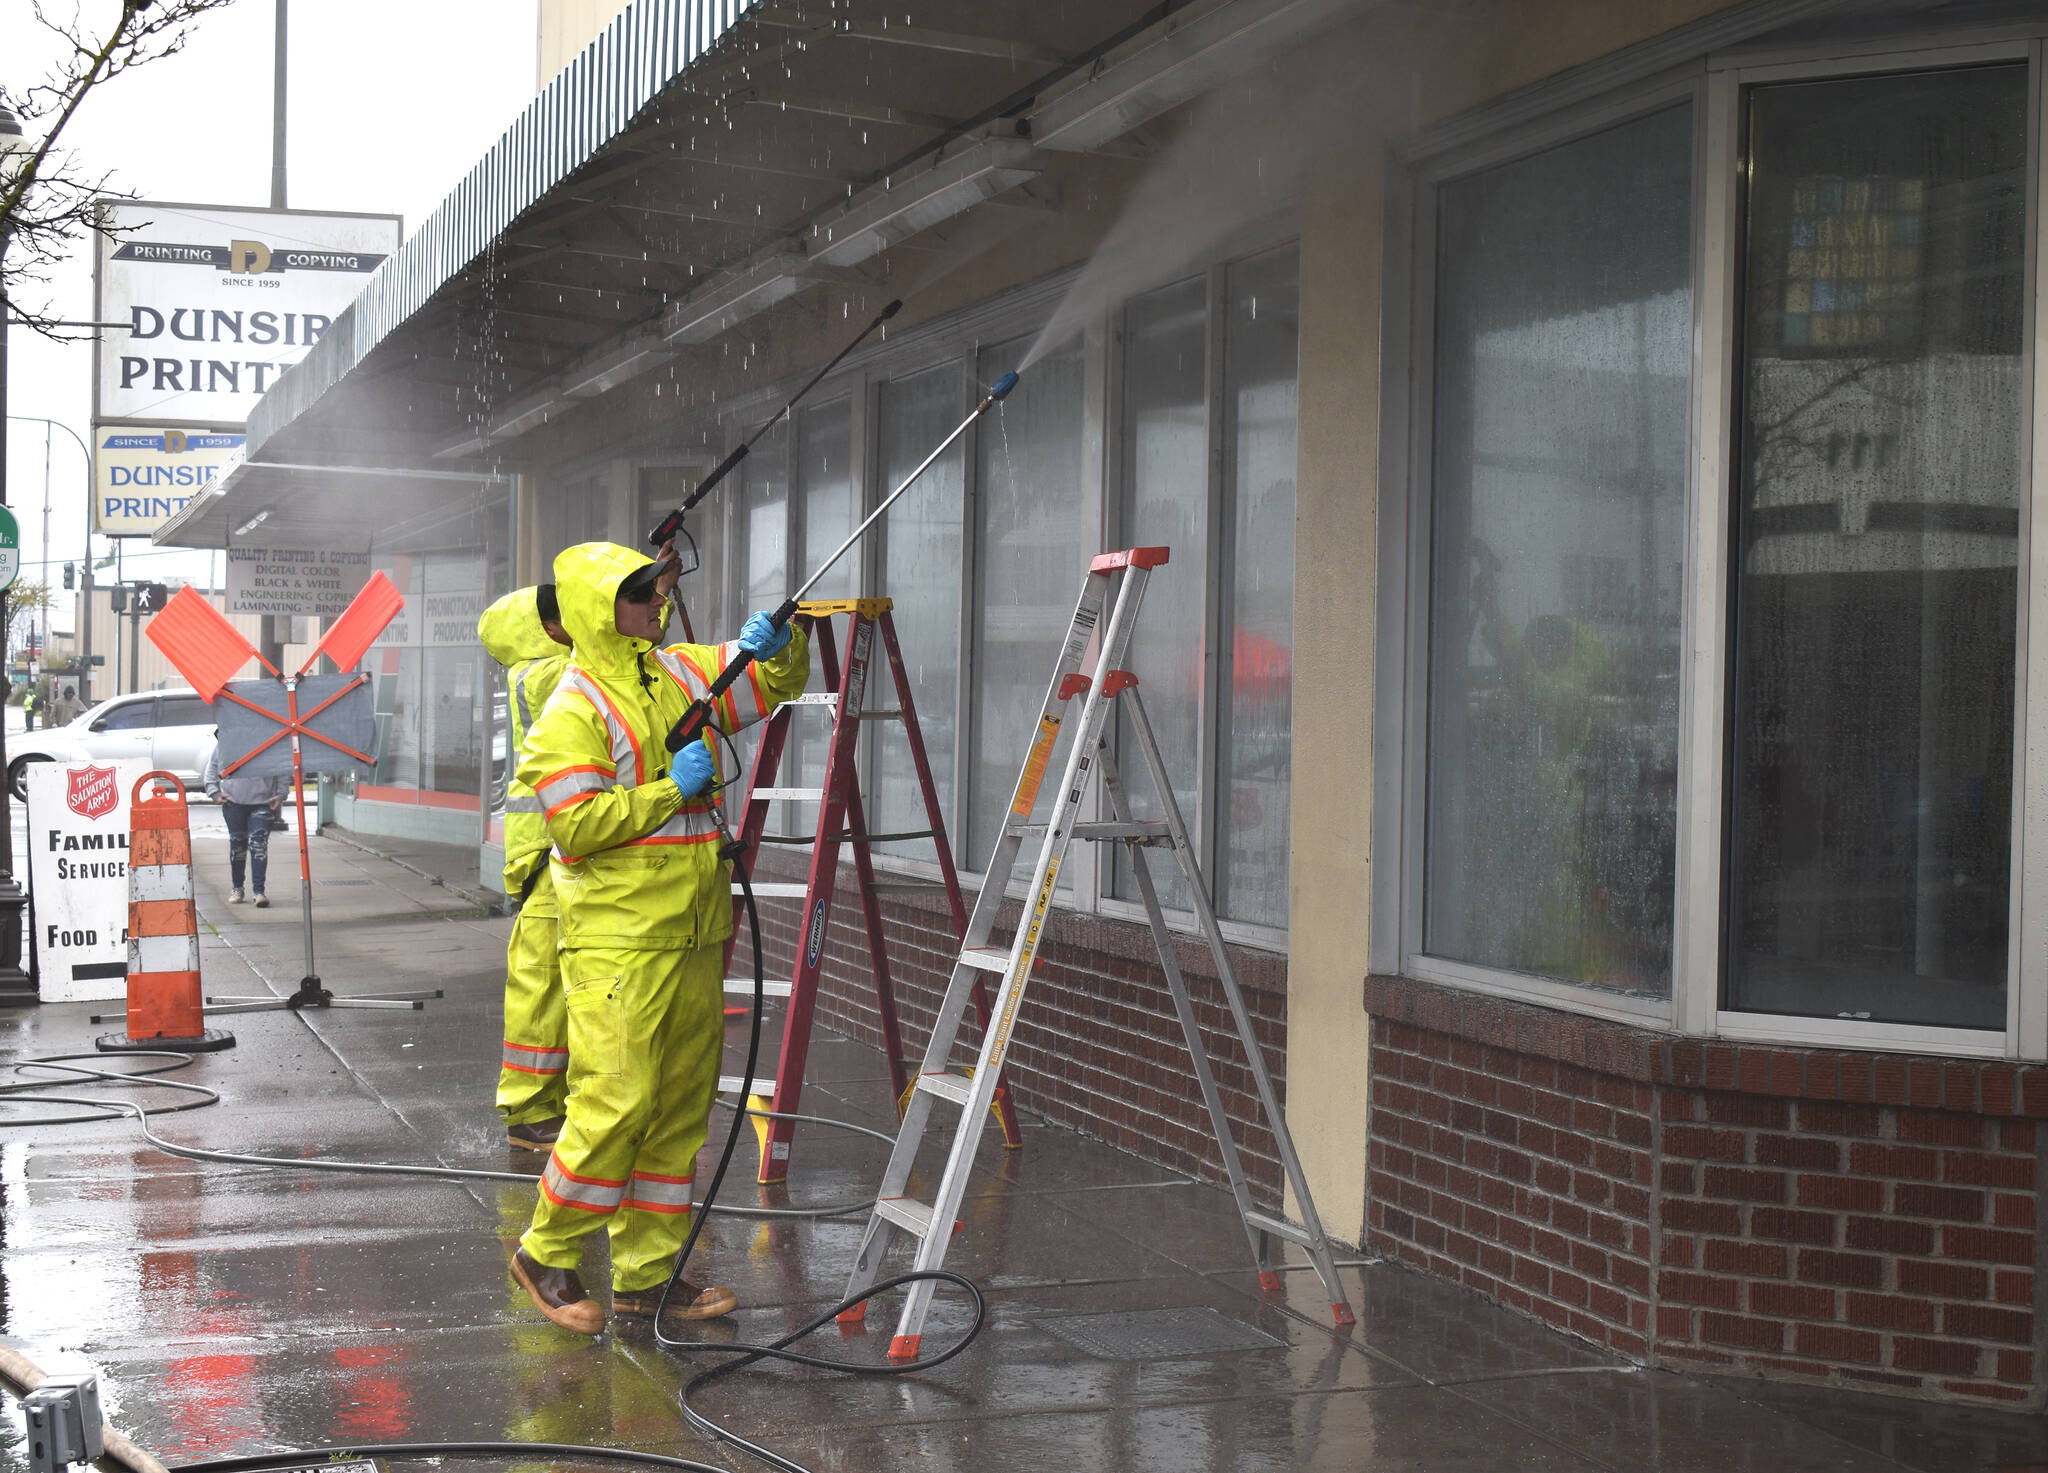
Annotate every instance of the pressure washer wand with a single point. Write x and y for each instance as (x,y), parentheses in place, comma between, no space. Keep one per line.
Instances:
(692,725)
(719,472)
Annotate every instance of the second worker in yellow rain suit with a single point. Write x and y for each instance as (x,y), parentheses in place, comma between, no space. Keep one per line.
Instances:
(523,632)
(645,907)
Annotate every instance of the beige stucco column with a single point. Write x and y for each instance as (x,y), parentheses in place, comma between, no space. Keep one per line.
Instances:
(1335,508)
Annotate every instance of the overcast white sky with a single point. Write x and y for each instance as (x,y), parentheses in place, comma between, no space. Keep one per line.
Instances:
(391,102)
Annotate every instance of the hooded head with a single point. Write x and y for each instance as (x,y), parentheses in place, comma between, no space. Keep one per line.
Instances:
(587,579)
(512,631)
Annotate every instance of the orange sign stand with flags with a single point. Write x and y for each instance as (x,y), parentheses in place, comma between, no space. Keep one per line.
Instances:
(165,1010)
(207,650)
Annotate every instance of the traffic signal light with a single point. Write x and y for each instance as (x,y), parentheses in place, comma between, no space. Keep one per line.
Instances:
(149,597)
(117,597)
(71,575)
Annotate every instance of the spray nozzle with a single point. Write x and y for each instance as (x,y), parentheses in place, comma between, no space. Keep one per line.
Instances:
(1002,386)
(892,309)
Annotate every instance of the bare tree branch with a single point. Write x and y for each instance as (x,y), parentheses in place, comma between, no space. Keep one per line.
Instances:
(48,198)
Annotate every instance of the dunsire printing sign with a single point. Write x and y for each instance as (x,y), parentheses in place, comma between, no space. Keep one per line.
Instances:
(217,302)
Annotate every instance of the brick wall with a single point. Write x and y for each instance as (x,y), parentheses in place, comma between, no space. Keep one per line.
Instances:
(1851,1219)
(1097,1047)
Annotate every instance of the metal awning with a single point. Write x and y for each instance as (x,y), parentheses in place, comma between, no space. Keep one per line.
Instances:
(699,164)
(333,506)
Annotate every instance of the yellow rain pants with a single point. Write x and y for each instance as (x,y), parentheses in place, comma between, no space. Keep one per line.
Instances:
(645,1030)
(531,1075)
(532,1080)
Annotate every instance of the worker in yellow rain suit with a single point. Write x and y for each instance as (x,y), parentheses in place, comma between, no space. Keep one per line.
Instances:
(646,906)
(523,632)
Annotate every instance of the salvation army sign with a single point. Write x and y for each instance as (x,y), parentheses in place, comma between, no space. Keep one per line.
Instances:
(217,302)
(78,876)
(89,791)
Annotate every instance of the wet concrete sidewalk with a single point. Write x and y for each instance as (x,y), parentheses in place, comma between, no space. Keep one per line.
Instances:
(234,1309)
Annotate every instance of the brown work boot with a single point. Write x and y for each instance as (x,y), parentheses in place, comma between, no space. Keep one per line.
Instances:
(687,1303)
(535,1135)
(558,1294)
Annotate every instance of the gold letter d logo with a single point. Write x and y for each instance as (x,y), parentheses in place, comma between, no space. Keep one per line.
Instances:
(248,257)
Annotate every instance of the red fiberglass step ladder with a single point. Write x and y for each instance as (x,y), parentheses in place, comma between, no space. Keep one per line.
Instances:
(1090,666)
(842,819)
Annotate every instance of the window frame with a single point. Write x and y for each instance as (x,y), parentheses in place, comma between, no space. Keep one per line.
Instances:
(959,340)
(1716,88)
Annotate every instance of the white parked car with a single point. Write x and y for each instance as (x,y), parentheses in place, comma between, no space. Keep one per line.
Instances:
(169,729)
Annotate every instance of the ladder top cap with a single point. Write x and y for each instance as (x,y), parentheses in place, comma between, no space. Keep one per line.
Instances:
(866,607)
(1130,557)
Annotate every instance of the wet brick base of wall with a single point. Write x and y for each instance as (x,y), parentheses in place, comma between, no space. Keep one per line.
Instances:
(1841,1218)
(1097,1047)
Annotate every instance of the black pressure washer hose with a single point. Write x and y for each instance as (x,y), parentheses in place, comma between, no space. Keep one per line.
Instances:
(743,1353)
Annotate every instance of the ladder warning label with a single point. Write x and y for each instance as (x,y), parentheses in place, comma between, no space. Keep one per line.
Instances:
(1034,766)
(1078,636)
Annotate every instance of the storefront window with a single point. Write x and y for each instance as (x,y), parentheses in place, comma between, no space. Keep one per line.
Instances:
(434,696)
(921,572)
(1563,354)
(1256,683)
(1164,491)
(826,490)
(1032,546)
(1881,468)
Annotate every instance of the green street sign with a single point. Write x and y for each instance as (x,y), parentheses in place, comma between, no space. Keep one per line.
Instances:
(10,549)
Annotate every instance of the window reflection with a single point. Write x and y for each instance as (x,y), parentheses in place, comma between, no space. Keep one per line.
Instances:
(1877,527)
(1563,362)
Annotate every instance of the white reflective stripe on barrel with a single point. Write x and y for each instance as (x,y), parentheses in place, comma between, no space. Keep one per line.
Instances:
(160,882)
(163,954)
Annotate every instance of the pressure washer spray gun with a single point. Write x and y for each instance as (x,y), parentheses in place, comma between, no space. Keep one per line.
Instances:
(672,524)
(691,727)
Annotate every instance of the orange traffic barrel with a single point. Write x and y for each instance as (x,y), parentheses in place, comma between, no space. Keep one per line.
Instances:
(164,1006)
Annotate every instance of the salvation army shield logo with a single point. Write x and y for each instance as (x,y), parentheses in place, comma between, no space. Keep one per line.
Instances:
(91,791)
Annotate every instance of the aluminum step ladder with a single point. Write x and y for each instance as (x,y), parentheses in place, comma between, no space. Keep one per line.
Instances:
(1090,667)
(841,820)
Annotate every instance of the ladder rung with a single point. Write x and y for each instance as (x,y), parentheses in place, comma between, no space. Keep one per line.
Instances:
(947,1086)
(881,715)
(790,795)
(907,1213)
(910,887)
(1151,829)
(843,837)
(744,987)
(814,698)
(1278,1227)
(777,890)
(988,958)
(729,1084)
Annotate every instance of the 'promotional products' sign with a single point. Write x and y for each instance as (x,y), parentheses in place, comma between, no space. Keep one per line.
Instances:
(294,580)
(78,876)
(143,477)
(216,302)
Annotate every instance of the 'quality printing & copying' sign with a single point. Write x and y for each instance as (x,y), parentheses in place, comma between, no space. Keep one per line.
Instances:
(298,581)
(217,302)
(78,876)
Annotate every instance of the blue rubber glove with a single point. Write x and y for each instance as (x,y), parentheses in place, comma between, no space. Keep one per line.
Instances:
(762,637)
(691,769)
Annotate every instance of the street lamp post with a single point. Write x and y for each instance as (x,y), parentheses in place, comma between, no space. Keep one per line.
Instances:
(84,611)
(17,985)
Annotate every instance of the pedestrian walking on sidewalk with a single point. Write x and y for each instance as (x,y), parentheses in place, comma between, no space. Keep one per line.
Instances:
(523,632)
(247,803)
(646,905)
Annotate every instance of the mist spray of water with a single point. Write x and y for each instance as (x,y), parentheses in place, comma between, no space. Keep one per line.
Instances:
(1236,162)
